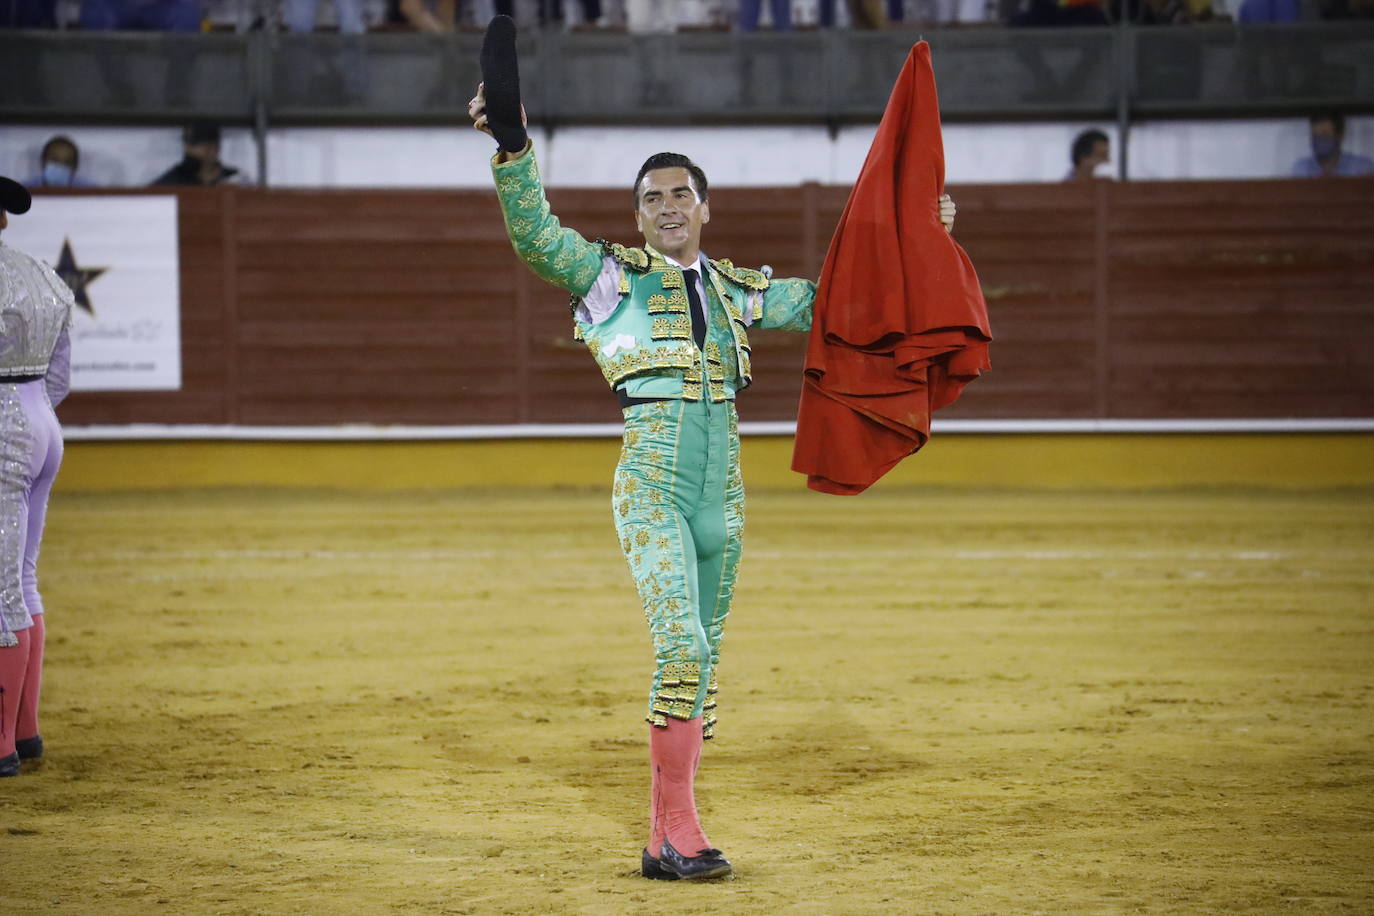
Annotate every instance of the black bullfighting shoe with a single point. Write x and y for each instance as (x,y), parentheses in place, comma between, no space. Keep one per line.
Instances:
(650,867)
(9,765)
(707,863)
(29,748)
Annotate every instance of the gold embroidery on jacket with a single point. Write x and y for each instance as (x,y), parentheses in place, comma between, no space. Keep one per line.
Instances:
(619,368)
(679,327)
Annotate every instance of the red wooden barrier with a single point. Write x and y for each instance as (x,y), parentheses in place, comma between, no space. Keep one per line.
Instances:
(1144,300)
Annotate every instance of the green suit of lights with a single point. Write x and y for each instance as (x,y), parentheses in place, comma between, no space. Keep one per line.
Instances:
(678,498)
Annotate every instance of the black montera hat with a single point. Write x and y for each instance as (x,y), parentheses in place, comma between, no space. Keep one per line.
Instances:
(501,79)
(14,197)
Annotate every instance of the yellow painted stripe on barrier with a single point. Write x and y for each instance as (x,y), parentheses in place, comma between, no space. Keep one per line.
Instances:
(1096,460)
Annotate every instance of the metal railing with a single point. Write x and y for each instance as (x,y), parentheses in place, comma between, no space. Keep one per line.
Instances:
(1123,72)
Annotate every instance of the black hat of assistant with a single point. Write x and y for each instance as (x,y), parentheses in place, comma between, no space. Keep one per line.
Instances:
(501,80)
(14,197)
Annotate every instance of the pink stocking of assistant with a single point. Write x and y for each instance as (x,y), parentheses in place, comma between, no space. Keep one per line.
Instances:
(27,726)
(14,661)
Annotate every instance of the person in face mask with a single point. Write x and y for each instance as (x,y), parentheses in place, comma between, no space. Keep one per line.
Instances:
(60,159)
(1327,159)
(1091,154)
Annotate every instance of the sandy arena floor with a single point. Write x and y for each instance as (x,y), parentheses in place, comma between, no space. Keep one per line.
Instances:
(940,703)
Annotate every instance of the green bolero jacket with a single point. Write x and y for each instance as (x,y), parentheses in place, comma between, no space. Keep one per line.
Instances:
(645,345)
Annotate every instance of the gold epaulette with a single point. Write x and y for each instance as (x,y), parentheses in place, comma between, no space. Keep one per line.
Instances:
(742,276)
(637,258)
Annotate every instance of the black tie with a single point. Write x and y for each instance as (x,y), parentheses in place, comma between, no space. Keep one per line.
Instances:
(689,277)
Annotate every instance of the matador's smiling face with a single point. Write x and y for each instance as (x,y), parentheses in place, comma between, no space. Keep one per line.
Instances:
(671,213)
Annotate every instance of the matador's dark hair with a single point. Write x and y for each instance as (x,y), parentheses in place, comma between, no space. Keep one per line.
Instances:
(671,161)
(1083,144)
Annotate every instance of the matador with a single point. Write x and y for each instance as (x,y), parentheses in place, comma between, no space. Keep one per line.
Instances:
(668,327)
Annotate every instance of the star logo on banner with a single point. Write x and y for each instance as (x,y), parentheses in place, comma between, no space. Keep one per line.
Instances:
(77,277)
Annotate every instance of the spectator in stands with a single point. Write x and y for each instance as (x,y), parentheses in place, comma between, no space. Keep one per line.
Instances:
(1346,9)
(1276,62)
(1163,12)
(554,10)
(137,15)
(1166,12)
(1091,150)
(200,166)
(1048,13)
(1327,159)
(299,16)
(57,165)
(441,16)
(120,85)
(1043,82)
(1253,12)
(749,15)
(28,14)
(864,14)
(435,17)
(644,17)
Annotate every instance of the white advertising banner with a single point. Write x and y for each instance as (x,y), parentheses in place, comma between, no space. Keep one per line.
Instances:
(119,255)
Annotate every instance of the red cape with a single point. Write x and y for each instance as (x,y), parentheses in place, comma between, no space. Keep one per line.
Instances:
(900,325)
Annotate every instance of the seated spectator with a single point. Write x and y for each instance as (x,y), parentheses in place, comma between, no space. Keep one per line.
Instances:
(200,166)
(1091,150)
(1327,159)
(57,166)
(138,15)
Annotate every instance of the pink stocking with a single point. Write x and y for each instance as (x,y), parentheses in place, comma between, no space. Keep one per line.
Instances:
(674,752)
(27,726)
(14,660)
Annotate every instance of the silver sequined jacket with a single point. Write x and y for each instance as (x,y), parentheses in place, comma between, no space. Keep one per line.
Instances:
(35,311)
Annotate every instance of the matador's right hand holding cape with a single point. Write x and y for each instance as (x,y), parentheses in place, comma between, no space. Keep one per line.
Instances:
(900,325)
